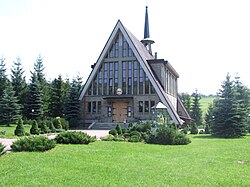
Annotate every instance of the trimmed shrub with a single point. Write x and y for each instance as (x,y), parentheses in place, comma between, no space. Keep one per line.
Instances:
(44,128)
(19,131)
(181,139)
(74,138)
(51,126)
(1,148)
(57,123)
(166,136)
(113,132)
(33,143)
(118,128)
(134,138)
(34,128)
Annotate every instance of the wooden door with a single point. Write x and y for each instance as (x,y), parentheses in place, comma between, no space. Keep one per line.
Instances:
(119,111)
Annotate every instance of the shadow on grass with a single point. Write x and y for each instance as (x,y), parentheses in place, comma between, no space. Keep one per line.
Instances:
(209,136)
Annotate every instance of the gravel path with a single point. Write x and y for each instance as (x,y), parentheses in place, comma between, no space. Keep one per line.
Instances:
(97,133)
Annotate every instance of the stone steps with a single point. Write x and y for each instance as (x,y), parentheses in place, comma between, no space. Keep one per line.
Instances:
(106,126)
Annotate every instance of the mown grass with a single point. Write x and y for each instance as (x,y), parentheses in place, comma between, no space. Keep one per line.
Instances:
(205,162)
(9,131)
(204,103)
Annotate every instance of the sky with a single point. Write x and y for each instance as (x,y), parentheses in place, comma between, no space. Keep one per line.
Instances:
(202,39)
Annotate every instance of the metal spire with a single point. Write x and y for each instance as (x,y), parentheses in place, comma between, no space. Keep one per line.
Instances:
(146,26)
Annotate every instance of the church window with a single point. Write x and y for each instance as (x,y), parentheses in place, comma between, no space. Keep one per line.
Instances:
(124,47)
(152,89)
(124,77)
(130,52)
(152,103)
(100,82)
(95,86)
(141,80)
(89,107)
(135,77)
(117,47)
(111,52)
(111,78)
(130,77)
(116,76)
(94,107)
(146,106)
(99,106)
(90,90)
(129,111)
(146,84)
(109,111)
(140,106)
(105,78)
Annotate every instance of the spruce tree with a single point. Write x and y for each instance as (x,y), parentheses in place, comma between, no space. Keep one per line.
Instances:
(72,104)
(229,113)
(196,112)
(3,77)
(19,83)
(19,131)
(34,128)
(56,98)
(34,104)
(43,84)
(9,107)
(209,118)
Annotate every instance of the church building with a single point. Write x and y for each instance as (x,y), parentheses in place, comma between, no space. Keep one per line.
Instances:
(128,80)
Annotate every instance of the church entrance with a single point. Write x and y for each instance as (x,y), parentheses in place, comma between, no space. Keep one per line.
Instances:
(119,112)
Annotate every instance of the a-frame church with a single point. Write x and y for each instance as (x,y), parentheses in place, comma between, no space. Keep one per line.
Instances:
(128,80)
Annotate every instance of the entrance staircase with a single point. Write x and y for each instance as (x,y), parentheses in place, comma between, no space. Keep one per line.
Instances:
(105,126)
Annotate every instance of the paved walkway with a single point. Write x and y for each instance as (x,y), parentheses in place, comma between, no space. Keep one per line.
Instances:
(97,133)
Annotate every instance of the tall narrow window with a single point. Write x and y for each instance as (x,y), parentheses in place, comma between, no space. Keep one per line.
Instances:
(146,106)
(89,107)
(116,76)
(140,106)
(109,111)
(152,103)
(111,78)
(152,89)
(129,77)
(95,86)
(94,107)
(135,77)
(124,47)
(146,84)
(100,82)
(129,111)
(141,80)
(90,90)
(105,79)
(124,77)
(130,52)
(117,47)
(99,106)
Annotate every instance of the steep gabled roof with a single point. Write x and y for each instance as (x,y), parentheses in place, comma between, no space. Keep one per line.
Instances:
(142,55)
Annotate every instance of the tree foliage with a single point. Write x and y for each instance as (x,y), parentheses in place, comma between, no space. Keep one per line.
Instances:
(230,113)
(196,112)
(3,77)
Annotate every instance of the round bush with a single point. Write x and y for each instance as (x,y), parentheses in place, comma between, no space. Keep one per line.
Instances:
(33,143)
(134,138)
(113,132)
(181,139)
(74,138)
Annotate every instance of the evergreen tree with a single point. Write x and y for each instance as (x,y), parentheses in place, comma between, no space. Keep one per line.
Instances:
(9,107)
(196,112)
(72,104)
(186,100)
(34,104)
(19,131)
(51,126)
(19,83)
(229,113)
(43,84)
(3,77)
(44,127)
(34,128)
(209,118)
(56,98)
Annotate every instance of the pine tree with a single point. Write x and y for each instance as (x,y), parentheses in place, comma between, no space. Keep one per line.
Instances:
(196,112)
(229,113)
(9,107)
(34,104)
(56,98)
(19,83)
(44,127)
(43,84)
(3,77)
(19,131)
(72,104)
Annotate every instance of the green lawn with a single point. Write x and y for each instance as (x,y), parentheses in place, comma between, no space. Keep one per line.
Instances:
(205,162)
(9,131)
